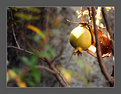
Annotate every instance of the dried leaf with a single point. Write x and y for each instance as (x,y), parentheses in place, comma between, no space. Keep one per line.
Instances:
(105,46)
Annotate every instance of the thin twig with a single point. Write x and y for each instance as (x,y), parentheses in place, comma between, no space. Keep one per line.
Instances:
(91,54)
(52,68)
(59,78)
(82,14)
(23,50)
(45,68)
(108,30)
(102,66)
(12,25)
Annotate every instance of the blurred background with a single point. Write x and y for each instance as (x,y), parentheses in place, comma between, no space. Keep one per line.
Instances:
(39,36)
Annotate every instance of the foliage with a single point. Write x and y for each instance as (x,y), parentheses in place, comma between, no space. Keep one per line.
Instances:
(30,76)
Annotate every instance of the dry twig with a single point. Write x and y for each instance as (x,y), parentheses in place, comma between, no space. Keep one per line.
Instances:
(12,25)
(102,66)
(108,30)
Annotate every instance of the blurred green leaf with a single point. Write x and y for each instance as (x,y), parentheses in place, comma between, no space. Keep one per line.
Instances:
(14,8)
(18,71)
(32,9)
(26,16)
(44,54)
(30,81)
(37,37)
(8,9)
(80,63)
(50,50)
(36,75)
(55,32)
(33,61)
(72,72)
(18,21)
(25,60)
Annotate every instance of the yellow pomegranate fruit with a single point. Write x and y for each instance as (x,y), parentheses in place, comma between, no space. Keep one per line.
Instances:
(80,39)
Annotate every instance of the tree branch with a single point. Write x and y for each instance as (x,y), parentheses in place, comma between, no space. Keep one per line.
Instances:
(108,30)
(45,68)
(12,25)
(102,66)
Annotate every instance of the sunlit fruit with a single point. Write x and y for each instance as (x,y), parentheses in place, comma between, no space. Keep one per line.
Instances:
(80,38)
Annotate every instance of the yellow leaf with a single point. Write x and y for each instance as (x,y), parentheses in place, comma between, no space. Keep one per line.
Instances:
(20,83)
(37,30)
(7,77)
(11,74)
(109,8)
(86,12)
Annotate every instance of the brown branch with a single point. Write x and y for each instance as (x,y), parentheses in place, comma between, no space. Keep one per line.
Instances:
(52,69)
(82,14)
(45,68)
(102,66)
(23,50)
(58,76)
(108,30)
(34,52)
(12,25)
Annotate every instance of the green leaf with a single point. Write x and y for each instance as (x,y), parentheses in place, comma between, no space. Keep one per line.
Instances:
(14,8)
(30,81)
(36,75)
(33,61)
(8,9)
(32,9)
(44,54)
(50,50)
(26,16)
(18,21)
(18,71)
(55,32)
(25,60)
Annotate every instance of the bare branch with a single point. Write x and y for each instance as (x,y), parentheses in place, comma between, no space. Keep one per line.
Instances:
(45,68)
(82,14)
(23,50)
(12,25)
(102,66)
(59,78)
(108,30)
(52,69)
